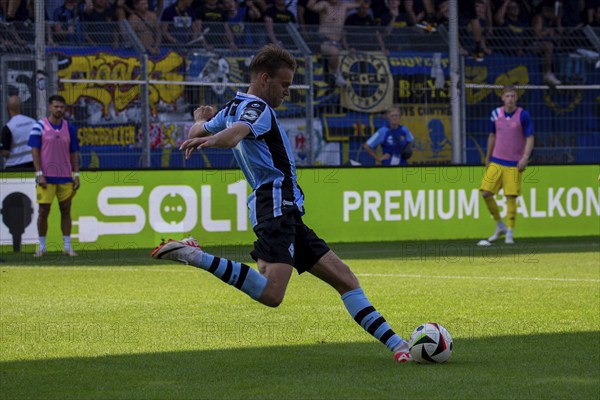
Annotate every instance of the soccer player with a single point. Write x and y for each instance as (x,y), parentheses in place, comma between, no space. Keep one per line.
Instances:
(249,125)
(509,146)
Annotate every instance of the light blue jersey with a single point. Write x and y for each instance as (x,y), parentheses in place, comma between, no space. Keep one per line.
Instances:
(264,156)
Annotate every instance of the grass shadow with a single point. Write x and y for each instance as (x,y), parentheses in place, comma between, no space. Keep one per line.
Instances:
(545,366)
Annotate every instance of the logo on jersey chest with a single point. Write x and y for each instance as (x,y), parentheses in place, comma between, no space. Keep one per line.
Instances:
(250,115)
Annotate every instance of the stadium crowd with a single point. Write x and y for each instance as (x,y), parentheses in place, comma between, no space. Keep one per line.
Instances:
(65,15)
(536,27)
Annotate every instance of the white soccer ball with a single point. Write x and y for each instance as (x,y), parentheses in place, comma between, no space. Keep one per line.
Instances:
(430,343)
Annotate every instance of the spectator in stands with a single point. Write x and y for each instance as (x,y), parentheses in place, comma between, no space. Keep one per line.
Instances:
(417,13)
(483,10)
(570,12)
(361,16)
(7,32)
(18,10)
(215,24)
(19,17)
(262,5)
(100,23)
(514,30)
(442,16)
(593,16)
(395,15)
(276,17)
(393,20)
(466,10)
(395,141)
(5,36)
(241,22)
(307,20)
(332,14)
(235,16)
(255,15)
(291,5)
(123,9)
(157,6)
(145,24)
(526,10)
(180,25)
(67,28)
(208,11)
(378,9)
(358,27)
(15,135)
(50,6)
(547,29)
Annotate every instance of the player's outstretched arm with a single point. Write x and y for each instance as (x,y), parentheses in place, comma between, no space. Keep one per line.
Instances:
(227,138)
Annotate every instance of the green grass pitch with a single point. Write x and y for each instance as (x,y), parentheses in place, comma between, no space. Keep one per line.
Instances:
(118,325)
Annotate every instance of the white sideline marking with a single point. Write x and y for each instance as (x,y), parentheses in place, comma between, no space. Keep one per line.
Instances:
(415,276)
(524,248)
(500,278)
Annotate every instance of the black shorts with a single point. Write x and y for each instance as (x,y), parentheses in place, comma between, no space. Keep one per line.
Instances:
(287,240)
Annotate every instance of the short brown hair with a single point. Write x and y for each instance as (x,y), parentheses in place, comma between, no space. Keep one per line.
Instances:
(393,107)
(509,88)
(271,58)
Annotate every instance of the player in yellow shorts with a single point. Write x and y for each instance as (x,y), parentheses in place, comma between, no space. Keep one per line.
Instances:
(62,191)
(509,147)
(54,146)
(498,177)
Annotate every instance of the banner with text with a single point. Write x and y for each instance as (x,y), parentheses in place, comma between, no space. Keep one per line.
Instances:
(139,208)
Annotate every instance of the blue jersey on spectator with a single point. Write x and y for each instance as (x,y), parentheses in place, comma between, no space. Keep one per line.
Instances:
(392,142)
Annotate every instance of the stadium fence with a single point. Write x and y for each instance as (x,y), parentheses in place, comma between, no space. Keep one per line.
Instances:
(132,98)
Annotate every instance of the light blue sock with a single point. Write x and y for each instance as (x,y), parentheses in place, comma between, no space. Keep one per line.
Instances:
(371,321)
(43,243)
(236,274)
(67,243)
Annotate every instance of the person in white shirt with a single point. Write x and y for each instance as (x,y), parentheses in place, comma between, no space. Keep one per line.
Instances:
(15,134)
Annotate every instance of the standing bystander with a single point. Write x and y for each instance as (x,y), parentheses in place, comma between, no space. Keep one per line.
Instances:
(15,134)
(395,141)
(55,150)
(509,146)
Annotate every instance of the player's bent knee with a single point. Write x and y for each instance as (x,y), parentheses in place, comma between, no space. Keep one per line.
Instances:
(271,300)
